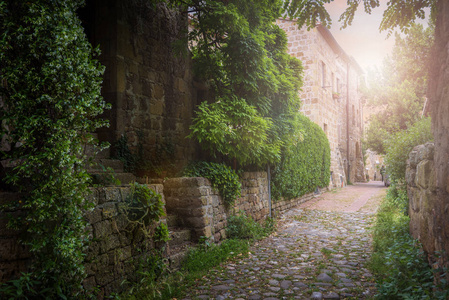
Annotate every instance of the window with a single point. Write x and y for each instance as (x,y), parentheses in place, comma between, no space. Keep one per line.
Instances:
(325,128)
(353,115)
(323,74)
(333,81)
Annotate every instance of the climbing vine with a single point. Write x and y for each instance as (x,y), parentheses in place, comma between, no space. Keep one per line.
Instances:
(50,96)
(305,165)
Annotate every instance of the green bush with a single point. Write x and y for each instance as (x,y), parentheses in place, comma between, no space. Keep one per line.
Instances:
(51,101)
(398,261)
(221,177)
(241,226)
(304,166)
(200,260)
(401,144)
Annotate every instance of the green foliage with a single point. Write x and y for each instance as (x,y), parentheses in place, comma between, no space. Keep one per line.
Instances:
(240,52)
(401,144)
(144,205)
(233,127)
(400,88)
(221,177)
(153,280)
(398,261)
(51,99)
(201,261)
(241,226)
(161,233)
(124,154)
(305,165)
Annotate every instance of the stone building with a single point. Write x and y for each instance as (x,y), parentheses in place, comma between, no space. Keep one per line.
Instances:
(148,83)
(330,96)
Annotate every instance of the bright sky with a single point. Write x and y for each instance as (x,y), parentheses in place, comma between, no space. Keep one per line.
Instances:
(362,39)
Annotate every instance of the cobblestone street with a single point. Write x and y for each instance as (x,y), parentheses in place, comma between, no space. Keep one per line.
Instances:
(319,251)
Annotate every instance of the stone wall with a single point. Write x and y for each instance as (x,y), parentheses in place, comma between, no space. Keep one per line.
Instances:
(200,207)
(116,247)
(439,103)
(421,190)
(330,96)
(148,79)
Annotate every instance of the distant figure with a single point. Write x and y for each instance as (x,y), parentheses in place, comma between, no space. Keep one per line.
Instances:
(374,176)
(382,172)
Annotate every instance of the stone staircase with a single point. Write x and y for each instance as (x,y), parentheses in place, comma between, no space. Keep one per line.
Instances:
(180,241)
(105,170)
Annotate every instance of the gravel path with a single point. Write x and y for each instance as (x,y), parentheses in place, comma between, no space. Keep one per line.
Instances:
(319,251)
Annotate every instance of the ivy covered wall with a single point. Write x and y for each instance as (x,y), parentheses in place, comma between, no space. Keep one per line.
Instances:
(305,165)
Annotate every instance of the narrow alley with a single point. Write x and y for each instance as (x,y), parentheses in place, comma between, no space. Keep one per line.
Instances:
(319,251)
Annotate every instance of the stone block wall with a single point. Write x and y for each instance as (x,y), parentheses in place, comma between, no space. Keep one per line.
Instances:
(438,93)
(200,207)
(117,247)
(115,251)
(148,79)
(422,194)
(330,96)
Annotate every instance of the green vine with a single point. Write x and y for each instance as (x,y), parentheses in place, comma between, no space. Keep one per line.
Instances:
(221,177)
(305,165)
(144,208)
(51,99)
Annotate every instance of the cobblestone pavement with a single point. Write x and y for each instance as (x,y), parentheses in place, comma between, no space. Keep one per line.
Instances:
(315,253)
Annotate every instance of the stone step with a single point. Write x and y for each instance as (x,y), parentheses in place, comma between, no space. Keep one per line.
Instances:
(172,220)
(178,253)
(89,150)
(108,178)
(179,236)
(100,165)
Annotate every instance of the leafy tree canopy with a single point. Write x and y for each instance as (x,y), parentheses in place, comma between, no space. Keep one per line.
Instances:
(241,53)
(400,87)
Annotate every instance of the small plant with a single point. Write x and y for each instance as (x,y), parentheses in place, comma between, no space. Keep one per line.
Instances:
(221,177)
(143,209)
(124,154)
(241,226)
(161,233)
(398,261)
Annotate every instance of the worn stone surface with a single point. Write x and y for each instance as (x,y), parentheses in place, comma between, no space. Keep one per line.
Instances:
(150,87)
(425,222)
(439,107)
(199,206)
(330,96)
(314,254)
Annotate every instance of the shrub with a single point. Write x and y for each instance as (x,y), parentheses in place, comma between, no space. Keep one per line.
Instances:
(400,145)
(221,177)
(398,261)
(305,165)
(51,100)
(241,226)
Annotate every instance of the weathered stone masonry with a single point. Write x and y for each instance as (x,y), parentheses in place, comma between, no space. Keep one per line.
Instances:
(116,251)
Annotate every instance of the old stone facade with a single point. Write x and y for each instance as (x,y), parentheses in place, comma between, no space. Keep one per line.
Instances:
(330,96)
(439,103)
(147,82)
(118,247)
(422,194)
